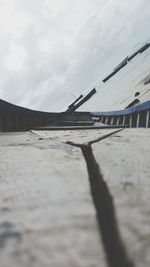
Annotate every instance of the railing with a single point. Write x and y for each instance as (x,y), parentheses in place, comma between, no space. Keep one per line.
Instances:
(137,116)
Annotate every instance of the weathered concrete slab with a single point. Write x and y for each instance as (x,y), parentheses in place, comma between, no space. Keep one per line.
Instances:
(77,136)
(124,162)
(47,216)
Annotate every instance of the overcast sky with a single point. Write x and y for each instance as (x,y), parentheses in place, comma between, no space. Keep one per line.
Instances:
(51,49)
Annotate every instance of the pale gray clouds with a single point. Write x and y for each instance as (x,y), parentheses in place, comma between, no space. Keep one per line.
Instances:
(52,48)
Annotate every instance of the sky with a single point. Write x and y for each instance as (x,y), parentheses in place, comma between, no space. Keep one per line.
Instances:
(53,50)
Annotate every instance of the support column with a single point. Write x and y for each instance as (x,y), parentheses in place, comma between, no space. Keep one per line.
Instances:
(118,121)
(106,120)
(147,119)
(112,120)
(123,120)
(130,121)
(137,120)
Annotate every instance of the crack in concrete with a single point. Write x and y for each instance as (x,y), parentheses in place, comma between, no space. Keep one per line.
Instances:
(93,141)
(115,251)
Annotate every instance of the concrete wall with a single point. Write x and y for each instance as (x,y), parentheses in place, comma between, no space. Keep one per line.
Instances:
(15,118)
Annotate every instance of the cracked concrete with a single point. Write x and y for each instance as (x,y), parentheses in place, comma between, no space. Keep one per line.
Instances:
(45,194)
(106,215)
(44,187)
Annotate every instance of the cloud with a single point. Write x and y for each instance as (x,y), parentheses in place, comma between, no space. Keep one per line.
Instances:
(51,49)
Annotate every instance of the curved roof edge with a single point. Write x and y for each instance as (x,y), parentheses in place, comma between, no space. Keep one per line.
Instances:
(4,105)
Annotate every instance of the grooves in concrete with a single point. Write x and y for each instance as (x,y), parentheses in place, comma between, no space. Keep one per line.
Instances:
(116,254)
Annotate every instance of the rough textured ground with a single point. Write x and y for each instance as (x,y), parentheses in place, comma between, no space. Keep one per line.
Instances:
(47,213)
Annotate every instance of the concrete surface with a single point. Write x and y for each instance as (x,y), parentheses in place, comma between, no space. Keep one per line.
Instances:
(124,162)
(47,216)
(47,213)
(77,136)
